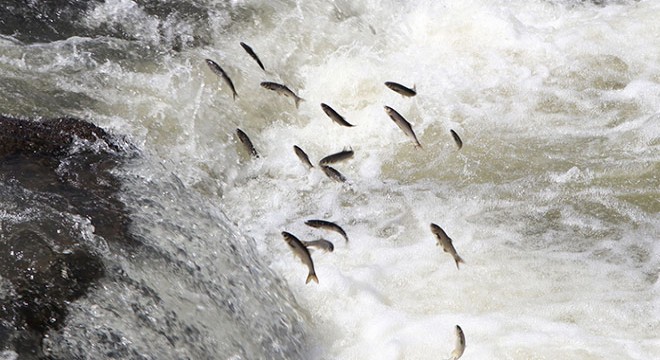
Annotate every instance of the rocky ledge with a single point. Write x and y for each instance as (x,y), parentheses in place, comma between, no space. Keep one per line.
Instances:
(54,174)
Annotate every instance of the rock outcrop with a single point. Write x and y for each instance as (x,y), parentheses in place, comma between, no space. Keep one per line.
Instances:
(54,174)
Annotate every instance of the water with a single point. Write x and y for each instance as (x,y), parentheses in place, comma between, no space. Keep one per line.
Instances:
(553,200)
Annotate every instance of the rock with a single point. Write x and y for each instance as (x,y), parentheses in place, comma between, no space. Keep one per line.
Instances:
(56,170)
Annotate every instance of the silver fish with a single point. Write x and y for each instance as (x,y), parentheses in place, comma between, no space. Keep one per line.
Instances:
(404,91)
(302,156)
(321,244)
(340,156)
(446,243)
(301,252)
(218,70)
(332,114)
(402,124)
(333,173)
(251,52)
(457,139)
(247,143)
(282,90)
(460,344)
(322,224)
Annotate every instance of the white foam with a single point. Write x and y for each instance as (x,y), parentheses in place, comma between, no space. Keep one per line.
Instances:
(540,202)
(390,293)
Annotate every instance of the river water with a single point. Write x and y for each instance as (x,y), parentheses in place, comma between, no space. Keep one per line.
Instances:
(553,201)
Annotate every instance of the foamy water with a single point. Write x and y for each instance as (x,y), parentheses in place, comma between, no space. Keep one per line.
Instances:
(552,202)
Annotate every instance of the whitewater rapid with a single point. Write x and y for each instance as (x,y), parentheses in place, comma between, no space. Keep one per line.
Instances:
(552,202)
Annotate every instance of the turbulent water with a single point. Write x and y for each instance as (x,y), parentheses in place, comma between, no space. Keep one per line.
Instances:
(553,201)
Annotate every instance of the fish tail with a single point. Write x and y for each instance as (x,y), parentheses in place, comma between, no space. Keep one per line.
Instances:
(458,260)
(311,277)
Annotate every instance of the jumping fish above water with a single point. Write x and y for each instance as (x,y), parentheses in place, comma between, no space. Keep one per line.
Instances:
(403,90)
(403,124)
(340,156)
(446,243)
(251,52)
(247,143)
(322,224)
(321,244)
(302,156)
(333,173)
(218,71)
(460,344)
(457,139)
(282,90)
(332,114)
(301,252)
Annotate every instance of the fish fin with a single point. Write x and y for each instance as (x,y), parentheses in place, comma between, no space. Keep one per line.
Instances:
(298,100)
(415,87)
(311,277)
(458,260)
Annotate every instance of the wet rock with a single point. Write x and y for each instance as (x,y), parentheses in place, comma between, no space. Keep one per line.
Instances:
(59,172)
(42,21)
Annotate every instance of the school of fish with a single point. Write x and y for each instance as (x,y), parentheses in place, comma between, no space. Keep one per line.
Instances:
(300,248)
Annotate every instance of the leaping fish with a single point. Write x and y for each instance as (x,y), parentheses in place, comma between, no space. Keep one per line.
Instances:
(282,90)
(403,124)
(340,156)
(251,52)
(333,173)
(301,252)
(321,244)
(302,156)
(332,114)
(218,71)
(402,90)
(322,224)
(446,243)
(460,344)
(457,139)
(247,143)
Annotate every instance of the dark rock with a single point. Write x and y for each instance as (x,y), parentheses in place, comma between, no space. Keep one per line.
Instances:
(48,21)
(42,21)
(58,169)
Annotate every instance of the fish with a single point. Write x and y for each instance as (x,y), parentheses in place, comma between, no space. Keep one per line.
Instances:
(446,243)
(251,52)
(282,90)
(333,174)
(332,114)
(301,252)
(303,156)
(460,344)
(403,90)
(327,225)
(247,143)
(402,124)
(340,156)
(457,139)
(321,244)
(218,70)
